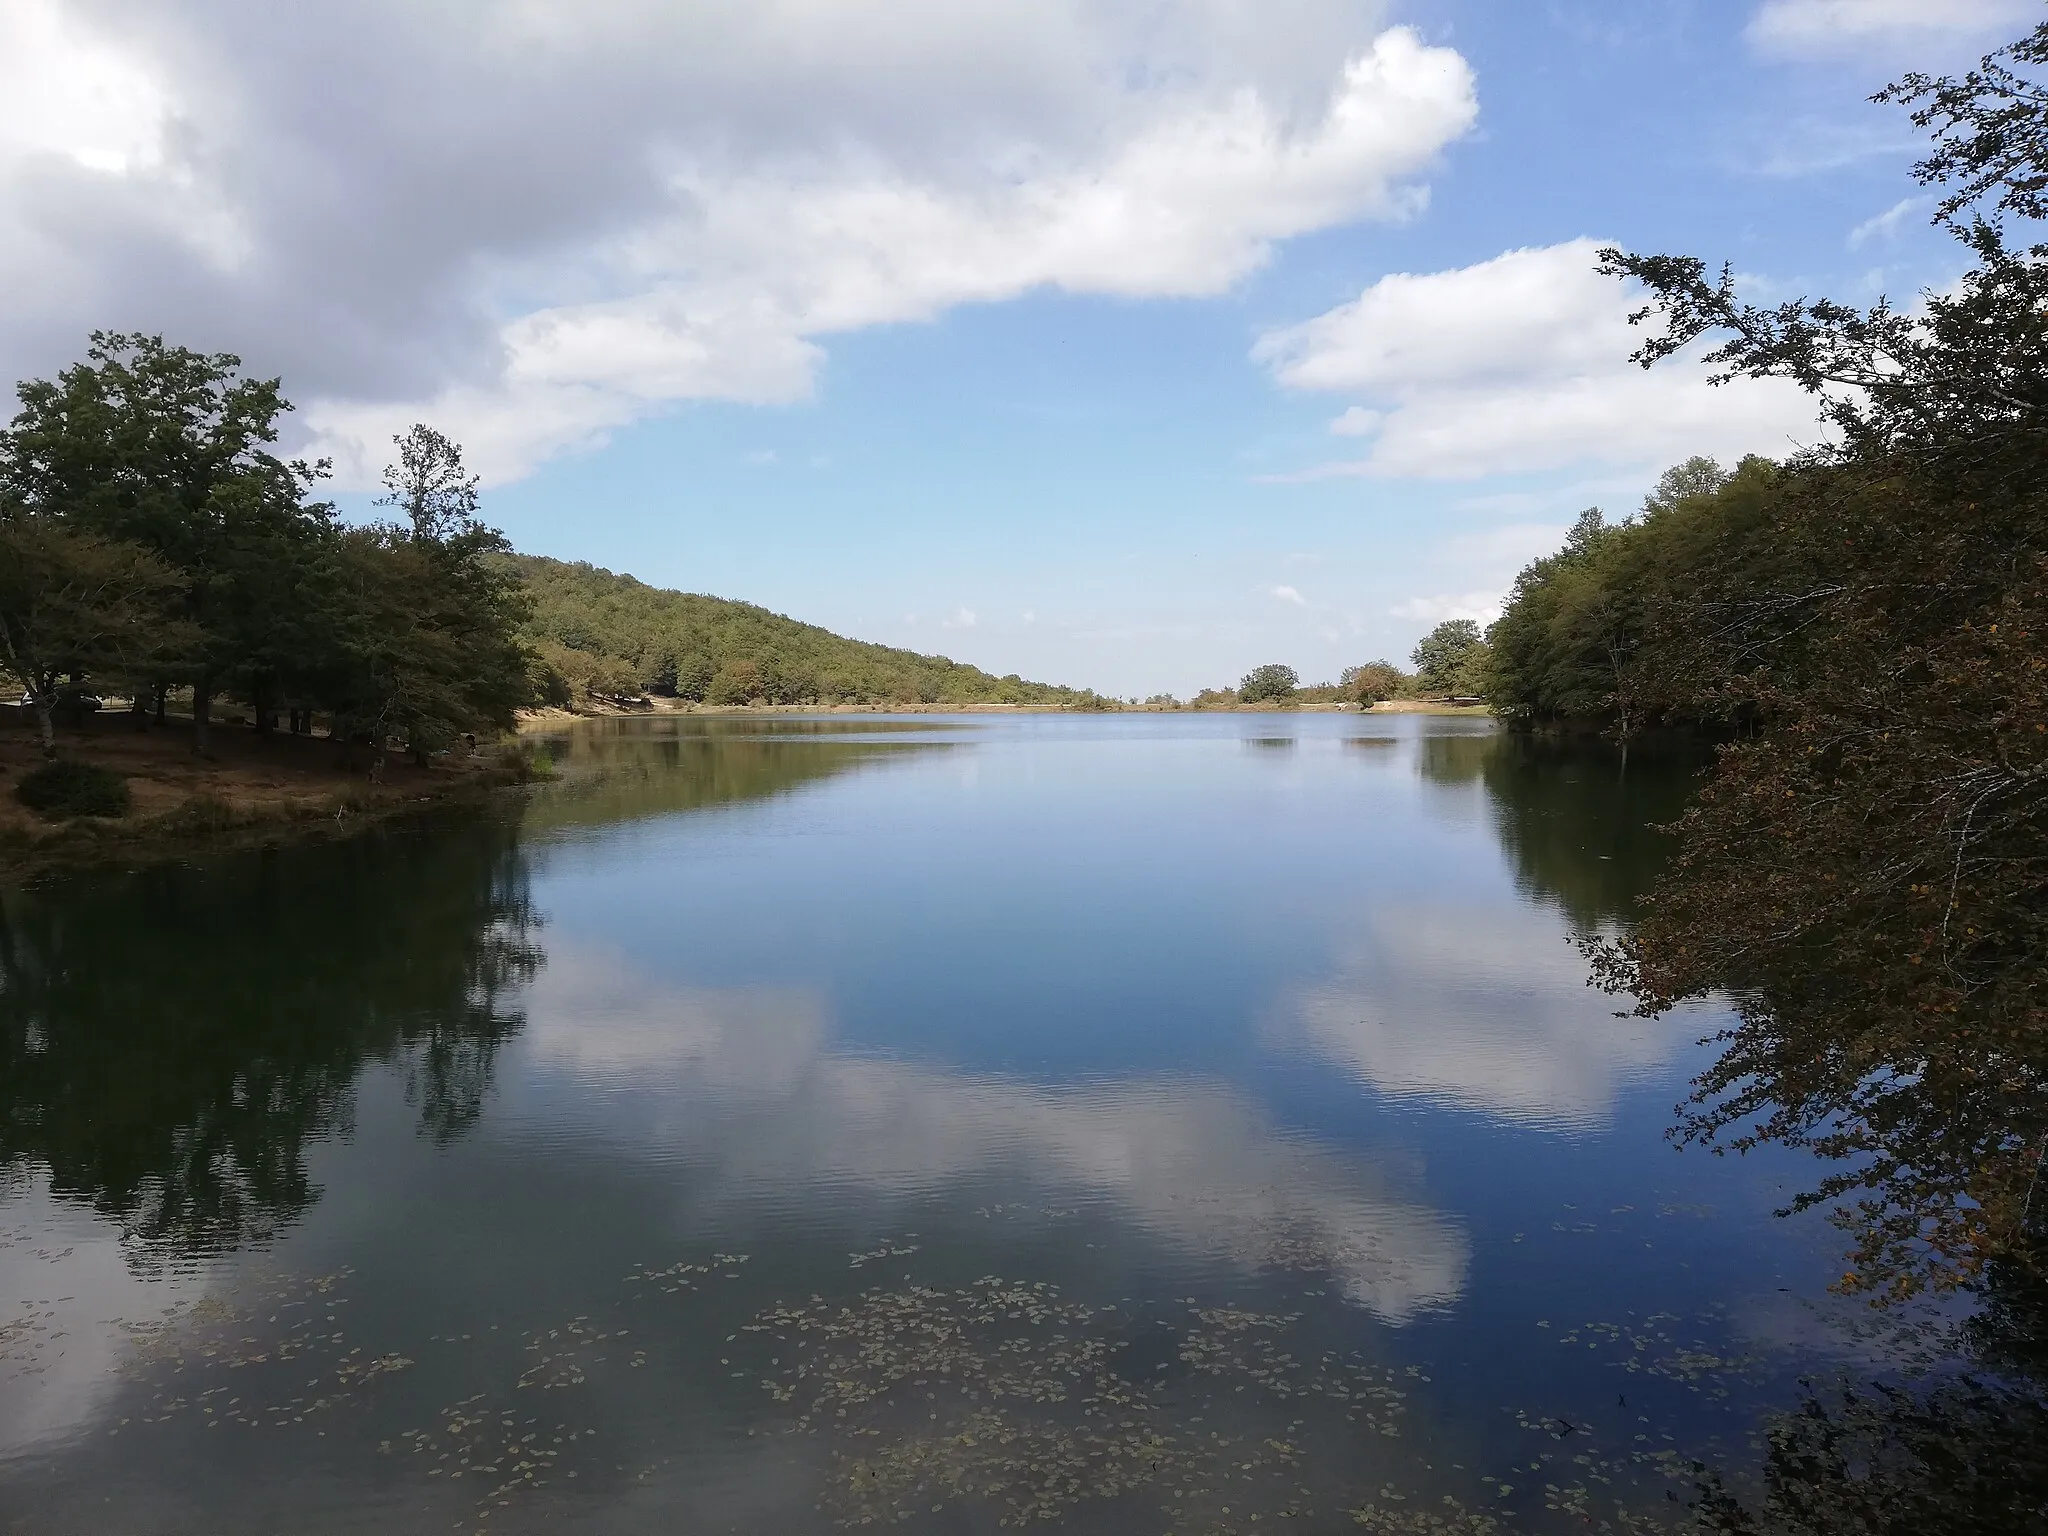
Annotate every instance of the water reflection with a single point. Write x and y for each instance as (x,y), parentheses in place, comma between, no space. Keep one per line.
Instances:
(741,1084)
(906,1140)
(627,769)
(1580,820)
(1417,1003)
(1482,1004)
(173,1038)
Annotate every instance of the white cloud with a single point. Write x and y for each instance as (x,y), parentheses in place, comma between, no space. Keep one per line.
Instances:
(1482,606)
(1288,595)
(1520,364)
(963,618)
(535,222)
(1885,226)
(1357,421)
(1822,26)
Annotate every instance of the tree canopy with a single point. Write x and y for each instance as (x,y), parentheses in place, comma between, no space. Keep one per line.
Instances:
(1865,872)
(1451,659)
(1270,684)
(152,539)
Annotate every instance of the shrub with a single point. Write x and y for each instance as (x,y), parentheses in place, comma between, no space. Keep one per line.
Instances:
(63,789)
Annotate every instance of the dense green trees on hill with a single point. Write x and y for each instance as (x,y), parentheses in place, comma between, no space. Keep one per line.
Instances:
(596,632)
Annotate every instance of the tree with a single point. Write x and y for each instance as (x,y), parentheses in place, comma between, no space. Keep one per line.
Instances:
(167,448)
(1445,659)
(1374,681)
(429,486)
(425,641)
(1864,873)
(736,683)
(1271,683)
(75,604)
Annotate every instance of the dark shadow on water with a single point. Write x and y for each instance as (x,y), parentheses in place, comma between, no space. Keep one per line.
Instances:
(624,770)
(1578,820)
(173,1038)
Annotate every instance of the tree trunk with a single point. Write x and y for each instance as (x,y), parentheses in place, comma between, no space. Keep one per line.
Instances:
(138,710)
(163,693)
(202,711)
(45,721)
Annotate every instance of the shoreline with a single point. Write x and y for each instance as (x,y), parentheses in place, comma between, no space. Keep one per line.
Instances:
(251,790)
(553,717)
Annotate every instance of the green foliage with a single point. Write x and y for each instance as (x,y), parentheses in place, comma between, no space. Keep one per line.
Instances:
(1864,873)
(75,605)
(150,539)
(1452,659)
(1568,648)
(722,652)
(1271,683)
(1375,681)
(62,789)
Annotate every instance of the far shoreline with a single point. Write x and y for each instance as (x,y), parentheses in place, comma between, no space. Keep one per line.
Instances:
(553,717)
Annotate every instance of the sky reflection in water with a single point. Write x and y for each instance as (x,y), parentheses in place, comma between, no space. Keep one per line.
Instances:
(832,1073)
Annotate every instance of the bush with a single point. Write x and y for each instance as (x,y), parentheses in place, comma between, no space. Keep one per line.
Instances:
(63,789)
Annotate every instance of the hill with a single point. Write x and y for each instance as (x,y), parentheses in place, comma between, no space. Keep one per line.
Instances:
(602,633)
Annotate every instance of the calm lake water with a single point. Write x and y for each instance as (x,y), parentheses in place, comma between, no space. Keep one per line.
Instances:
(1142,1123)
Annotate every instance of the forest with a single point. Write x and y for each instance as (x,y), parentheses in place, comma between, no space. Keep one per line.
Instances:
(1860,629)
(155,547)
(599,635)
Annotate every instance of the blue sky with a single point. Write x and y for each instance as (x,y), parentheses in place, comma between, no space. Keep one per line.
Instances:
(1109,344)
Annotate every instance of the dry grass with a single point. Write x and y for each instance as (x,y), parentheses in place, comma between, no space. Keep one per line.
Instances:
(247,781)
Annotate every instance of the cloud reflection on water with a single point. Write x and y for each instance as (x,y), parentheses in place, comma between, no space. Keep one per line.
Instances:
(743,1082)
(1487,1010)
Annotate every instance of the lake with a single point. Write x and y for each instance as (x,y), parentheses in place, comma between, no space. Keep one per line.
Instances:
(1152,1122)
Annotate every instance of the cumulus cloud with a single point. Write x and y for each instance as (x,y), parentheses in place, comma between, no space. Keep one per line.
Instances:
(534,222)
(1822,26)
(1519,363)
(1288,595)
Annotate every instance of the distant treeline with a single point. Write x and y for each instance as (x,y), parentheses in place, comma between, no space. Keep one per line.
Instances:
(597,634)
(1451,661)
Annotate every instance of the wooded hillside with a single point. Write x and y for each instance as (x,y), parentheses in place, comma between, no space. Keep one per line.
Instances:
(605,633)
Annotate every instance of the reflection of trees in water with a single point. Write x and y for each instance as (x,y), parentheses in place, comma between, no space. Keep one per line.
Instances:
(1837,1048)
(1962,1451)
(620,770)
(171,1039)
(1577,819)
